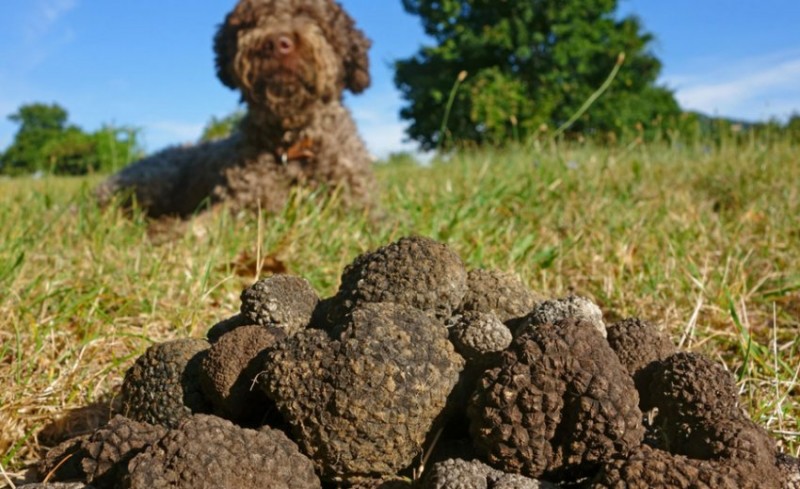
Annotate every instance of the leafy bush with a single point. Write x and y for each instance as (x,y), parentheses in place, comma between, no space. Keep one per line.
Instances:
(46,143)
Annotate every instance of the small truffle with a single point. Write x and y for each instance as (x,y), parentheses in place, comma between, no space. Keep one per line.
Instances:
(281,301)
(361,404)
(502,293)
(163,386)
(474,474)
(207,451)
(559,404)
(414,271)
(458,474)
(572,306)
(228,372)
(478,335)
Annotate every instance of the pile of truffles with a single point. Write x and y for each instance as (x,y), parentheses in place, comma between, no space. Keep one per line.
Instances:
(419,373)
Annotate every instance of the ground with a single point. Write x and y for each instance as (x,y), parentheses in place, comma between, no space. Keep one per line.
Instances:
(702,240)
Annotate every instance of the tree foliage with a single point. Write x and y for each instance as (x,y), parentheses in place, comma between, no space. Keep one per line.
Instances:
(531,64)
(222,127)
(45,142)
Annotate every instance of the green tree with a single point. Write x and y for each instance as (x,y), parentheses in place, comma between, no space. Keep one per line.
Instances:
(46,143)
(218,128)
(531,65)
(39,124)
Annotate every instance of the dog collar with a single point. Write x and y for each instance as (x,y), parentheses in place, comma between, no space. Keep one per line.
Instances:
(301,150)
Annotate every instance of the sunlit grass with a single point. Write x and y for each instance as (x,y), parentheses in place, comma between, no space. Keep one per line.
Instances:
(704,241)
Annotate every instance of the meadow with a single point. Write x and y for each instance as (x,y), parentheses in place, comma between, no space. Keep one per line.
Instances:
(703,240)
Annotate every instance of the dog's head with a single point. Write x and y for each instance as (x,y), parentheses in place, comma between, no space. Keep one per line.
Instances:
(285,54)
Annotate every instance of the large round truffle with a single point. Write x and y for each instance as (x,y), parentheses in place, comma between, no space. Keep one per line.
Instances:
(557,406)
(230,368)
(414,271)
(570,307)
(207,451)
(362,404)
(498,292)
(281,301)
(163,386)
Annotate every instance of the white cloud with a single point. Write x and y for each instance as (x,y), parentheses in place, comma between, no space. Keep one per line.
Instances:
(159,134)
(377,115)
(45,14)
(385,137)
(757,88)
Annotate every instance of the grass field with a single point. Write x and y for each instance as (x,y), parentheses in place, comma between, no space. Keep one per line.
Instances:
(704,241)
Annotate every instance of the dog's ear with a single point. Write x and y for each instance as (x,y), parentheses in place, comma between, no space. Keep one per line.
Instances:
(357,76)
(225,52)
(352,45)
(226,41)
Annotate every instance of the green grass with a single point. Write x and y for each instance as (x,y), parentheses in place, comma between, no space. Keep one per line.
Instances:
(703,241)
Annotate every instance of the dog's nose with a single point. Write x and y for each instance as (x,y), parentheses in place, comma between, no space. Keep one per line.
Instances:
(283,45)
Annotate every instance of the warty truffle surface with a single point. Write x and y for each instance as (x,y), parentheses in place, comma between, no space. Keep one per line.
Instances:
(498,292)
(362,404)
(557,406)
(162,387)
(283,301)
(207,451)
(570,307)
(229,370)
(415,271)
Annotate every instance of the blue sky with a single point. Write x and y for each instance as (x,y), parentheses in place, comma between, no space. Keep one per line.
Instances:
(149,64)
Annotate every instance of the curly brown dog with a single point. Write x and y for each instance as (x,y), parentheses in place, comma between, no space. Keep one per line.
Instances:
(291,60)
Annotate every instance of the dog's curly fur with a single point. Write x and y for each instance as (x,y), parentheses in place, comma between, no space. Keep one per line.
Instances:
(291,60)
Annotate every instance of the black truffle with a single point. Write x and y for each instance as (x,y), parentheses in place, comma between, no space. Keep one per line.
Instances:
(111,447)
(558,405)
(570,307)
(638,344)
(789,468)
(216,331)
(477,336)
(498,292)
(688,387)
(361,404)
(651,468)
(281,301)
(230,368)
(162,386)
(474,474)
(207,451)
(414,271)
(99,458)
